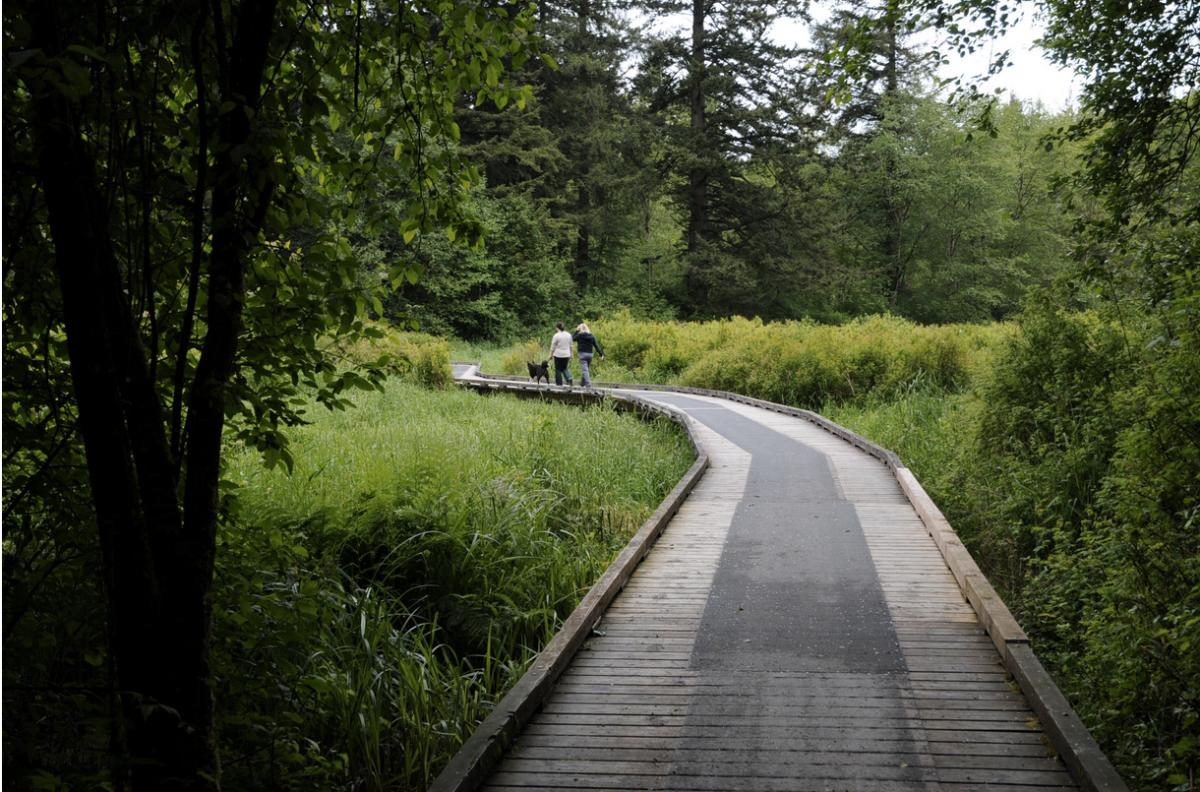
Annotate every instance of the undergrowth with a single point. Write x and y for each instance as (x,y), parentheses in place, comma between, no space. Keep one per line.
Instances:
(375,604)
(799,363)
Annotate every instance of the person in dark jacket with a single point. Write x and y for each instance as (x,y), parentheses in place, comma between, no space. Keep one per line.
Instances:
(587,347)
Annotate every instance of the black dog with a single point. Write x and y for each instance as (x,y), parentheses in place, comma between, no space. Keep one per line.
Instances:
(539,370)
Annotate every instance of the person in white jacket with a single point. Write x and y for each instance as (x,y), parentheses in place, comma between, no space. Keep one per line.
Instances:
(560,351)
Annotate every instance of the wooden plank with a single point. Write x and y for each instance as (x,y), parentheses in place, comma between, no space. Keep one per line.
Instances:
(736,759)
(948,753)
(815,782)
(808,786)
(816,721)
(768,733)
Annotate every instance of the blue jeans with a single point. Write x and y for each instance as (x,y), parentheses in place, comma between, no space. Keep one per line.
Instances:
(561,370)
(585,364)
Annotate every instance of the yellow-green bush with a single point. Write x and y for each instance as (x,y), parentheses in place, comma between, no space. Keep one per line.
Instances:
(529,352)
(413,357)
(801,363)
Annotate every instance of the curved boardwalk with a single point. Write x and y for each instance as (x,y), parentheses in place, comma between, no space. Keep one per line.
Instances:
(795,628)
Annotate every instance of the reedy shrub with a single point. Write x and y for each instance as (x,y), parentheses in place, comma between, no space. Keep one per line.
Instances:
(1095,418)
(799,363)
(530,351)
(1073,474)
(413,357)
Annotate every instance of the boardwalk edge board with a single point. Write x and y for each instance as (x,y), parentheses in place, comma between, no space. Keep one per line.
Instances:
(469,767)
(1074,743)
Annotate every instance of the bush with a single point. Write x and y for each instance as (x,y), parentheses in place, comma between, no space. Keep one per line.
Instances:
(530,351)
(412,357)
(799,363)
(1073,475)
(1094,425)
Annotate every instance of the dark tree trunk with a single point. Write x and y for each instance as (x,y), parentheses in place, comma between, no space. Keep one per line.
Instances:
(583,203)
(166,702)
(893,255)
(697,227)
(892,212)
(891,69)
(583,240)
(157,557)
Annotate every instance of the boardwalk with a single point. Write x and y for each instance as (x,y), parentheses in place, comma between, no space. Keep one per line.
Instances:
(795,628)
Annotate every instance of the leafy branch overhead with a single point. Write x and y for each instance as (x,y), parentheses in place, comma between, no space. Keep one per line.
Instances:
(191,170)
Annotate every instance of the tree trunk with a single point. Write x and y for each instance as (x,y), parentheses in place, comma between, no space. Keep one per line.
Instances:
(583,202)
(166,702)
(891,69)
(583,240)
(697,177)
(157,559)
(892,219)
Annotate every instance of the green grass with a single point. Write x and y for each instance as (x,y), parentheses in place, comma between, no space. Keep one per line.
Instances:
(376,603)
(489,354)
(927,429)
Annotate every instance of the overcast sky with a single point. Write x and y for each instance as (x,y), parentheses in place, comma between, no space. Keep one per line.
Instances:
(1031,77)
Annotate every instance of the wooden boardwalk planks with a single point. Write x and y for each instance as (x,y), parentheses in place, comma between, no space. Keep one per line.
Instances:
(633,712)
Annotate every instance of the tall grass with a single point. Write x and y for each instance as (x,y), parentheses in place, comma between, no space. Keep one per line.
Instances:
(376,603)
(798,363)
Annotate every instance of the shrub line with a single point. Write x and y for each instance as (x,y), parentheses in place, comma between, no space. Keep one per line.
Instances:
(1074,743)
(469,767)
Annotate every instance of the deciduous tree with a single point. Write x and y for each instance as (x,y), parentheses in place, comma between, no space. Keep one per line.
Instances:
(187,169)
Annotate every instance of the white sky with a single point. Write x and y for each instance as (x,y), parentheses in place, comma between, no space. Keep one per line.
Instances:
(1031,78)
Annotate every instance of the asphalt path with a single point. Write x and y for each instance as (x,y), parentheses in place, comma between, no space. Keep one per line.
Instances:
(795,590)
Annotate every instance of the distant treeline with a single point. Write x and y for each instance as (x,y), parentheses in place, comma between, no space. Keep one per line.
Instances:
(768,187)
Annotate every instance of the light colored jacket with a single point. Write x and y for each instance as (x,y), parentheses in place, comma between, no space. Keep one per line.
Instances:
(560,345)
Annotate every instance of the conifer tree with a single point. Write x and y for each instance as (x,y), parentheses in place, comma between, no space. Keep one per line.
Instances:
(725,93)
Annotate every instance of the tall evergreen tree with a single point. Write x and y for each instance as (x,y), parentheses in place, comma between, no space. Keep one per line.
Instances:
(726,94)
(884,70)
(577,148)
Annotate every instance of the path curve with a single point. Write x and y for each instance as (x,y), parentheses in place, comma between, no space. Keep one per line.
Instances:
(796,627)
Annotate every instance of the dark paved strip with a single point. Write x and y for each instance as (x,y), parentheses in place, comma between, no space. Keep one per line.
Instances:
(796,589)
(795,592)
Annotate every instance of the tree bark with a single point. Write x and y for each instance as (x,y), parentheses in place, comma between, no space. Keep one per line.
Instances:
(583,240)
(697,176)
(157,559)
(892,242)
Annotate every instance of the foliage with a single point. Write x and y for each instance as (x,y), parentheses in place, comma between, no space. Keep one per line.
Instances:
(798,363)
(1105,461)
(801,364)
(412,357)
(955,226)
(1071,474)
(977,222)
(510,281)
(392,589)
(175,241)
